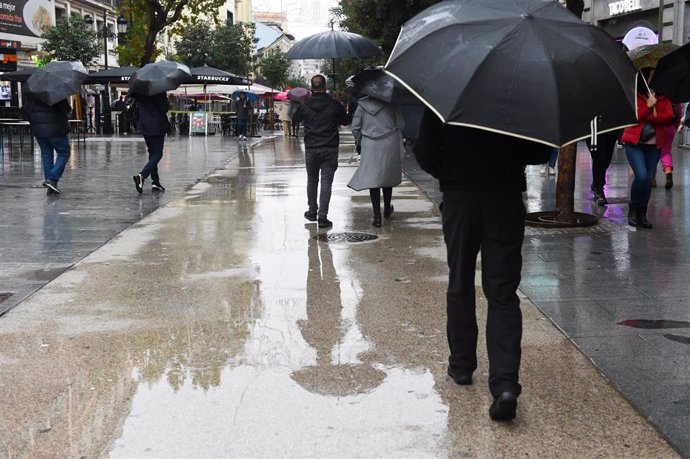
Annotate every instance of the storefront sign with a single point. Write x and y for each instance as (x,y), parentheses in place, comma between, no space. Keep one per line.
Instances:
(22,17)
(10,44)
(624,6)
(198,123)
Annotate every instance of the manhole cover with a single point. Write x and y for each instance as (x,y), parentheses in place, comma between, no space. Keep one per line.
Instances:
(5,296)
(346,237)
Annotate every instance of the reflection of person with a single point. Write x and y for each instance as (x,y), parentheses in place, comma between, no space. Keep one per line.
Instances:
(153,124)
(487,216)
(50,126)
(601,160)
(243,109)
(321,116)
(644,152)
(377,127)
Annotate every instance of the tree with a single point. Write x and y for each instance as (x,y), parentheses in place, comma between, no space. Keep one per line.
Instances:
(274,68)
(70,39)
(194,48)
(232,48)
(151,17)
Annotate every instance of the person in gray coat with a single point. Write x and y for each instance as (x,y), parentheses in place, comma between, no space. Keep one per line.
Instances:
(377,127)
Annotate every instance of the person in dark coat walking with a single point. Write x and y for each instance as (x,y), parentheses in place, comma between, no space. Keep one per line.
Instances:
(50,126)
(322,117)
(153,124)
(487,216)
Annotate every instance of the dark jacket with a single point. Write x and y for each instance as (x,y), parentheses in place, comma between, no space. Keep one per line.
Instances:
(152,111)
(48,120)
(243,108)
(473,159)
(321,116)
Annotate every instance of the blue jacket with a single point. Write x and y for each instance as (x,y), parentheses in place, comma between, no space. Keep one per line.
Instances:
(152,111)
(48,120)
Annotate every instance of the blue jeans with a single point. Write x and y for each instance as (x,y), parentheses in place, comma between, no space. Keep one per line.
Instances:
(554,157)
(242,126)
(154,143)
(325,162)
(643,159)
(52,169)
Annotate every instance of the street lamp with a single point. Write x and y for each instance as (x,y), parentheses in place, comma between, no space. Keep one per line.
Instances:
(106,34)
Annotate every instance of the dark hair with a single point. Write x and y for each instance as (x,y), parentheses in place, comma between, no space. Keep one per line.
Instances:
(318,83)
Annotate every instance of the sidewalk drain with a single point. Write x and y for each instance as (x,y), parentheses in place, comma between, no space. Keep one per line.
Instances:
(5,296)
(346,237)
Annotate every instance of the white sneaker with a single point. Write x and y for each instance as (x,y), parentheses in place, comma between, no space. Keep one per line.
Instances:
(552,171)
(544,169)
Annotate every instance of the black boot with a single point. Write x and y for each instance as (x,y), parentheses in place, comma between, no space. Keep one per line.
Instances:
(633,216)
(377,220)
(642,221)
(599,197)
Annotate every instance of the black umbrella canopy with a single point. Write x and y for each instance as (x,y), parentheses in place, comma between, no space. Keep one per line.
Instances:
(374,82)
(111,75)
(19,76)
(333,44)
(56,81)
(158,77)
(672,75)
(527,68)
(211,75)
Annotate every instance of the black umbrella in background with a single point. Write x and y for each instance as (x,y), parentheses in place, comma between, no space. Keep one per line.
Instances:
(672,75)
(56,81)
(111,75)
(526,68)
(158,77)
(374,82)
(19,76)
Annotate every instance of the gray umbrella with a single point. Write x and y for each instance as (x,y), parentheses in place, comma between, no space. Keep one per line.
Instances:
(333,44)
(374,82)
(56,81)
(159,77)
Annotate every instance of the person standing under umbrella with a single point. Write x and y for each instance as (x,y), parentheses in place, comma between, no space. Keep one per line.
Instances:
(50,126)
(322,117)
(377,127)
(243,109)
(487,216)
(153,124)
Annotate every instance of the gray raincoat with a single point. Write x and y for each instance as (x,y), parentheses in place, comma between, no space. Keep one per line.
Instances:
(377,126)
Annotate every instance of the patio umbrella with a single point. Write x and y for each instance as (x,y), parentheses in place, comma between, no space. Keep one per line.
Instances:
(211,75)
(672,75)
(374,82)
(251,97)
(19,76)
(298,94)
(526,68)
(649,55)
(56,81)
(111,75)
(283,95)
(158,77)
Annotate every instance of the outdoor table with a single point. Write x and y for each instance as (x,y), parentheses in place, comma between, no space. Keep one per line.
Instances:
(9,127)
(78,127)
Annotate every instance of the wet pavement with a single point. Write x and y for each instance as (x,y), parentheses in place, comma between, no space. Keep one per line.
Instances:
(214,321)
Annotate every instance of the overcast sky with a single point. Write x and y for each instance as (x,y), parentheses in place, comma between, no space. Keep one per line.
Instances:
(305,17)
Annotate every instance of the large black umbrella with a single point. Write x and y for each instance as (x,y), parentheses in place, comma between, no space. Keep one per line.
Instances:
(527,68)
(672,75)
(56,81)
(111,75)
(374,82)
(20,75)
(333,44)
(211,75)
(158,77)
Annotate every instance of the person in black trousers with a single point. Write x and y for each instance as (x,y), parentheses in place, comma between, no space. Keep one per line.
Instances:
(601,160)
(487,216)
(153,124)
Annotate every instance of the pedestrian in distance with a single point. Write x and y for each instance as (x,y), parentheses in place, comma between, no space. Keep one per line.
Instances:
(322,116)
(601,155)
(667,147)
(487,216)
(154,125)
(550,166)
(243,109)
(50,126)
(643,144)
(377,128)
(285,116)
(294,105)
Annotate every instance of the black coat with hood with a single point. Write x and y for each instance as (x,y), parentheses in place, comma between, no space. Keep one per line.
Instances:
(322,116)
(48,120)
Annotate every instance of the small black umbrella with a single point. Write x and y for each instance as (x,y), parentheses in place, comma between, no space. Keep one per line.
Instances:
(211,75)
(672,75)
(333,44)
(527,68)
(111,75)
(20,75)
(158,77)
(374,82)
(56,81)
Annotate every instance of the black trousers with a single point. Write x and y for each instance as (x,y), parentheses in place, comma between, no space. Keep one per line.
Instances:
(601,157)
(492,222)
(154,143)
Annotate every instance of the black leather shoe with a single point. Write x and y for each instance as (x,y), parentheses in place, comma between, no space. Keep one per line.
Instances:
(388,212)
(642,221)
(51,186)
(599,198)
(377,221)
(311,216)
(138,183)
(633,217)
(669,180)
(462,378)
(504,407)
(324,223)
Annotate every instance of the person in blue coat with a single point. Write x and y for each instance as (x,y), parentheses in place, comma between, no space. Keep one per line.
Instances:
(153,124)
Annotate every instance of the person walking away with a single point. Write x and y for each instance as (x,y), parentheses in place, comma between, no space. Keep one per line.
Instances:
(153,124)
(243,109)
(487,216)
(322,117)
(294,105)
(286,117)
(643,144)
(601,160)
(50,126)
(550,166)
(666,150)
(377,127)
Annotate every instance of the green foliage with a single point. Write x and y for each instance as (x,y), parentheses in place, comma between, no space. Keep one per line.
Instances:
(379,20)
(132,44)
(297,83)
(70,39)
(194,48)
(275,67)
(232,48)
